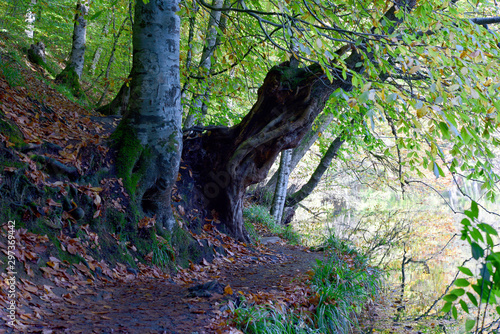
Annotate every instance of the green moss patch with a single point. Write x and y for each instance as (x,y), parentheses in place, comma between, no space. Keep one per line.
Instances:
(70,79)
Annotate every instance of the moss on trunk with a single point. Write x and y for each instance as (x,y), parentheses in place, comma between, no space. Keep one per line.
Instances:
(69,78)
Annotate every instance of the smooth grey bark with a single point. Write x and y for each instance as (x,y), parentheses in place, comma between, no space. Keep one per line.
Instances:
(30,20)
(305,144)
(77,57)
(152,122)
(205,65)
(281,186)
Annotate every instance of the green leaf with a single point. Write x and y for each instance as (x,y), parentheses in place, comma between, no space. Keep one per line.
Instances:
(469,324)
(472,298)
(477,251)
(96,15)
(464,306)
(457,292)
(447,307)
(465,222)
(476,235)
(466,271)
(498,309)
(450,298)
(454,312)
(489,241)
(487,228)
(462,282)
(474,209)
(444,130)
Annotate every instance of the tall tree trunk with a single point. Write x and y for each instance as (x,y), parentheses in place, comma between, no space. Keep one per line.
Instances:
(116,37)
(225,161)
(281,186)
(148,140)
(74,68)
(30,20)
(98,51)
(189,57)
(205,66)
(77,57)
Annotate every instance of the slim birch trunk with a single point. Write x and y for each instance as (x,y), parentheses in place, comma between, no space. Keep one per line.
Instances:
(98,51)
(77,57)
(116,37)
(205,66)
(281,186)
(305,144)
(74,68)
(30,20)
(148,140)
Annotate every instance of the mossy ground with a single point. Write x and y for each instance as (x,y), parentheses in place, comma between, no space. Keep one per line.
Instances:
(70,79)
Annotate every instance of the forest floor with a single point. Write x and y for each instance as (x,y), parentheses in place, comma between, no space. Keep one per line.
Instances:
(148,305)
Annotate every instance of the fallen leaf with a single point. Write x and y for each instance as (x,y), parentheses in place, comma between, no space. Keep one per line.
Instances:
(228,290)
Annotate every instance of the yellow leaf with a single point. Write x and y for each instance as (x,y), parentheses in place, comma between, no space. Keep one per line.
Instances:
(422,112)
(414,69)
(433,149)
(228,290)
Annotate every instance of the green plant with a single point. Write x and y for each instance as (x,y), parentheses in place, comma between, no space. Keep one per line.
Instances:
(10,71)
(482,288)
(251,230)
(163,253)
(273,319)
(343,284)
(259,214)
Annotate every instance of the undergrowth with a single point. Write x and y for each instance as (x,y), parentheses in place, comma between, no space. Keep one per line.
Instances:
(259,215)
(340,287)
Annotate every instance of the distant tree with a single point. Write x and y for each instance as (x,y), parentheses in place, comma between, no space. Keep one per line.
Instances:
(74,67)
(202,89)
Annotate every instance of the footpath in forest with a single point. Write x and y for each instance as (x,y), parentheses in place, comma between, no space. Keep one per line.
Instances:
(197,299)
(164,306)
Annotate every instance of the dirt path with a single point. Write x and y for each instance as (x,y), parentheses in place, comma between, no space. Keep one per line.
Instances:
(163,306)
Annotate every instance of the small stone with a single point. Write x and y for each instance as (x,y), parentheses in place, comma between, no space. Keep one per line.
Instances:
(270,240)
(78,213)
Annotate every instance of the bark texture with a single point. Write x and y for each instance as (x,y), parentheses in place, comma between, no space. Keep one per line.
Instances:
(149,140)
(281,186)
(225,161)
(77,57)
(30,20)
